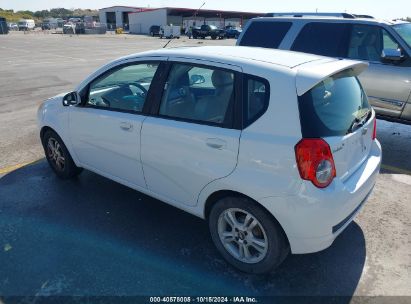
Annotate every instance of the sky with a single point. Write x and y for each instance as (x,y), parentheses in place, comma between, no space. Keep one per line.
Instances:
(377,8)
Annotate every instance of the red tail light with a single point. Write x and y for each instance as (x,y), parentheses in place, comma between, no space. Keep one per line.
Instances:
(374,132)
(315,161)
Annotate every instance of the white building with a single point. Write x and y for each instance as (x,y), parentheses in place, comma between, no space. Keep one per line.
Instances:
(117,16)
(139,20)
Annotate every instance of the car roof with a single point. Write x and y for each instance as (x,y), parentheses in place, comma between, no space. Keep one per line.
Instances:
(235,55)
(308,69)
(326,18)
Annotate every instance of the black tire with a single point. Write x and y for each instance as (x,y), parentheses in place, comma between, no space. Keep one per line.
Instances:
(69,169)
(277,249)
(214,37)
(152,34)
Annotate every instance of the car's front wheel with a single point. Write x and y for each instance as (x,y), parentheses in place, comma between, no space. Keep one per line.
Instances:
(58,156)
(246,235)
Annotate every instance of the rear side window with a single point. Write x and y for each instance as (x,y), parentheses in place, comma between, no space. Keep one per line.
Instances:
(265,34)
(326,39)
(257,95)
(330,108)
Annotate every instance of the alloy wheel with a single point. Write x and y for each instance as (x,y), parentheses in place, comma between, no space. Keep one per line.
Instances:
(242,235)
(55,153)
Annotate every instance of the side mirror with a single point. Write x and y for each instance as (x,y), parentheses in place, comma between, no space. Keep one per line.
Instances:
(392,55)
(197,79)
(71,99)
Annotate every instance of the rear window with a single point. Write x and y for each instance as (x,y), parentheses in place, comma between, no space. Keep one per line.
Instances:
(265,34)
(330,108)
(327,39)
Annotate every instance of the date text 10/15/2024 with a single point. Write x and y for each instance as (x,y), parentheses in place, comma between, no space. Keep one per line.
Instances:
(239,299)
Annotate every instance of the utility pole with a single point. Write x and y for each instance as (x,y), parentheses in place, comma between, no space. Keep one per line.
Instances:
(196,12)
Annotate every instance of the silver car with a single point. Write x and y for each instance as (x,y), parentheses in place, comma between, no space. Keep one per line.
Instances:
(385,45)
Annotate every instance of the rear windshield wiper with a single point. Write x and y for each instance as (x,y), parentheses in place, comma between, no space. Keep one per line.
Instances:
(358,122)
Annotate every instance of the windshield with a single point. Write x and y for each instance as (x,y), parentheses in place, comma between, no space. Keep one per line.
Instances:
(404,30)
(332,106)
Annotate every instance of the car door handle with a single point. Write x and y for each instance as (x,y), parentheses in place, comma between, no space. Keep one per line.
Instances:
(216,143)
(126,126)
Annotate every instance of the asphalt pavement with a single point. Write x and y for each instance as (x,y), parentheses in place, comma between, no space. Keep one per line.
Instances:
(91,236)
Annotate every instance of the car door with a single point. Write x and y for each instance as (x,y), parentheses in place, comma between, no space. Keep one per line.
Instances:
(192,139)
(388,84)
(105,128)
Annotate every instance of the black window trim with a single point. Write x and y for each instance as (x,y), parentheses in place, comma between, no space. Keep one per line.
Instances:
(85,92)
(248,26)
(348,30)
(247,77)
(236,104)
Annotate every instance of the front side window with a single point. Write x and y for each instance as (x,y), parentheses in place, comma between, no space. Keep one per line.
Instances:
(125,89)
(202,94)
(331,107)
(326,39)
(404,30)
(367,42)
(265,34)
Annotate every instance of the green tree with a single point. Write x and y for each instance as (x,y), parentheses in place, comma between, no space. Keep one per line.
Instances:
(60,13)
(42,14)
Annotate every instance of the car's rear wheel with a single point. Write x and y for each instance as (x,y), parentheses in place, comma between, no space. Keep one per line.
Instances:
(246,235)
(58,156)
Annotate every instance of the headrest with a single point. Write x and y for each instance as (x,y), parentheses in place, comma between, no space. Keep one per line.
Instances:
(222,78)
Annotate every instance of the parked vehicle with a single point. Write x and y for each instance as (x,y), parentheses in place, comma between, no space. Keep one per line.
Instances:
(170,31)
(75,20)
(49,24)
(386,46)
(13,26)
(80,28)
(26,24)
(3,26)
(60,22)
(155,30)
(276,150)
(208,31)
(233,31)
(69,28)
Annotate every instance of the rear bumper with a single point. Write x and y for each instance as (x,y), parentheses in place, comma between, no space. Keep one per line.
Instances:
(315,217)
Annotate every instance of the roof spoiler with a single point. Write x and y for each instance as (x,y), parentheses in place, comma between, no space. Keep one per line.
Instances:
(312,73)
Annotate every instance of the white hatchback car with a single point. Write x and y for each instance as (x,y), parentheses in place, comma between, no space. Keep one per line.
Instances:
(277,150)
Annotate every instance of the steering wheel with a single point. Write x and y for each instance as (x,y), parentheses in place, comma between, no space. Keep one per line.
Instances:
(140,86)
(143,93)
(106,101)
